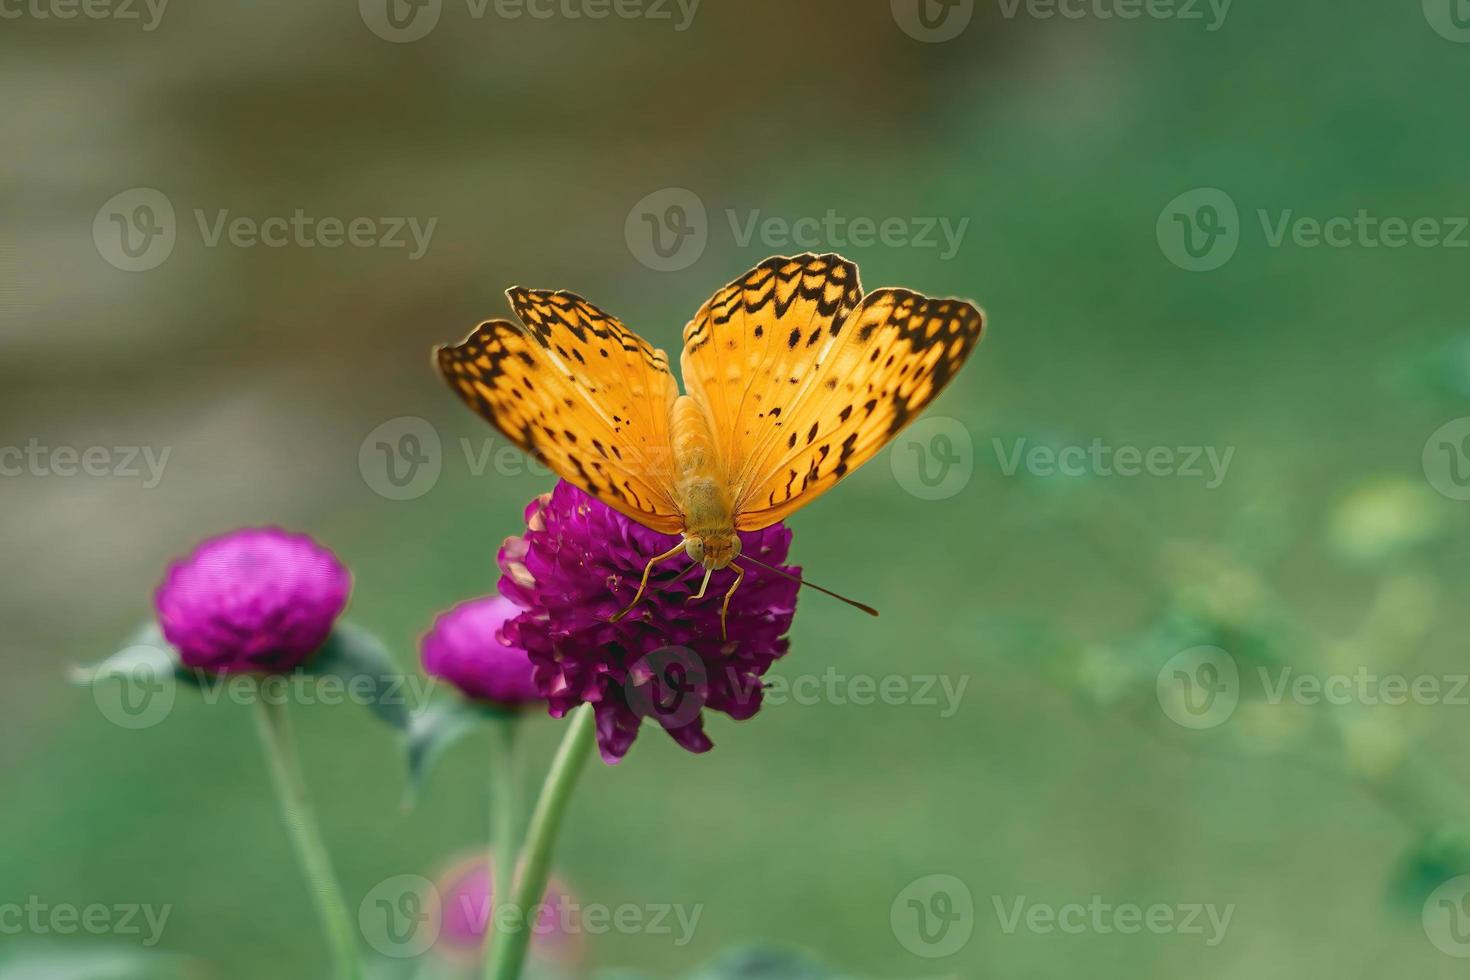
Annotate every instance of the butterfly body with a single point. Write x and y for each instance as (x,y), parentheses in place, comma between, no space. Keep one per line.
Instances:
(701,489)
(794,377)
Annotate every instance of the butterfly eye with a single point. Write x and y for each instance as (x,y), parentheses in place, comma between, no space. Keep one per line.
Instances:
(694,547)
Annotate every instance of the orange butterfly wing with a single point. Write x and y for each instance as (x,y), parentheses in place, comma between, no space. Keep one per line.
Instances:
(581,391)
(804,379)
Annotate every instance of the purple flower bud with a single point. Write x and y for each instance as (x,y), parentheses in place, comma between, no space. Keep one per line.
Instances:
(252,600)
(466,907)
(466,647)
(580,562)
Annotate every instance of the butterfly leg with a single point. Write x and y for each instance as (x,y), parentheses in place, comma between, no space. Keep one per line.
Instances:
(647,571)
(702,586)
(725,606)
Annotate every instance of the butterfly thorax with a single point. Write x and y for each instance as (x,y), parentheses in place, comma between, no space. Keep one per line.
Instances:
(709,517)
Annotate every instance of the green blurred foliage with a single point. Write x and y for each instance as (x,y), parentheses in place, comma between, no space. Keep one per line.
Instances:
(1056,598)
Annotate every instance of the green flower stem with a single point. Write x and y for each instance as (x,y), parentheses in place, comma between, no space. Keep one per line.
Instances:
(509,949)
(505,778)
(280,751)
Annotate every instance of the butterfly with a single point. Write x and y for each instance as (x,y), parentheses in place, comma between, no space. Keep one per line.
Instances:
(794,378)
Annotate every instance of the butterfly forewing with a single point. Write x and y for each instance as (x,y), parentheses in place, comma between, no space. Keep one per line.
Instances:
(580,390)
(803,379)
(751,351)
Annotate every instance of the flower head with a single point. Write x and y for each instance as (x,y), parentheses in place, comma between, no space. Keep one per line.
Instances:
(466,647)
(580,562)
(257,599)
(466,906)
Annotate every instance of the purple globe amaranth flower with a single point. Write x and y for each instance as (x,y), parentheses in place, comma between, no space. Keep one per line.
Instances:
(467,648)
(466,904)
(252,600)
(580,562)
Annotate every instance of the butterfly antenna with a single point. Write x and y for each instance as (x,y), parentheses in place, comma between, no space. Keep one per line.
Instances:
(811,585)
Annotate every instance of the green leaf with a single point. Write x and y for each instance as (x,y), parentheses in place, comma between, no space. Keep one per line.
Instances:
(433,730)
(55,962)
(364,664)
(136,687)
(137,660)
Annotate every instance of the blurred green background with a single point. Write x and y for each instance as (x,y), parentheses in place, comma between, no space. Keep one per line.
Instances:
(533,142)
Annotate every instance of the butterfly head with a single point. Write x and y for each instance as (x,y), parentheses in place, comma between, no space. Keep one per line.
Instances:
(712,550)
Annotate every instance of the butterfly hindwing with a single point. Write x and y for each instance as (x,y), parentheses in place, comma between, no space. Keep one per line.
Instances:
(581,391)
